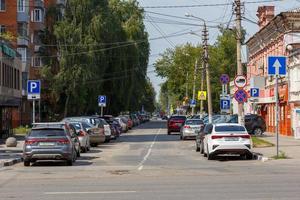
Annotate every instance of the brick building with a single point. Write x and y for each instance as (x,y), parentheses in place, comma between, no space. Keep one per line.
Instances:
(278,35)
(24,19)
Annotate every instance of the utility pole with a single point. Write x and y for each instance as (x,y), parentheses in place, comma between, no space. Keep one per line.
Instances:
(205,60)
(194,84)
(201,88)
(237,3)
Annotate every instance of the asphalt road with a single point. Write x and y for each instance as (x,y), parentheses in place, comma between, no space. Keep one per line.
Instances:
(147,164)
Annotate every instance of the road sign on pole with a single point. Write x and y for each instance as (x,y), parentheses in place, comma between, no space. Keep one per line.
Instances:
(202,95)
(102,103)
(277,67)
(193,103)
(33,93)
(254,92)
(224,79)
(33,89)
(241,96)
(240,81)
(225,105)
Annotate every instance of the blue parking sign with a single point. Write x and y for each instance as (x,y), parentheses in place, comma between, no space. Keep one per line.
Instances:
(102,100)
(225,104)
(254,92)
(33,89)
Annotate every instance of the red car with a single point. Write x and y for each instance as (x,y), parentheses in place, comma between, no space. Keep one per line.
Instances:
(175,123)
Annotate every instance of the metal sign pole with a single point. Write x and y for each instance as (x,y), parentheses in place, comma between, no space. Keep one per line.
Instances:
(277,114)
(33,111)
(101,111)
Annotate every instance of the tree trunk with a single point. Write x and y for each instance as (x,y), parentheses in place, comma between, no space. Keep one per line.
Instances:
(66,106)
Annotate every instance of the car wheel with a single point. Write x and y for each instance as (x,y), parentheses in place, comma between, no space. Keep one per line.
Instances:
(26,163)
(69,162)
(84,149)
(249,156)
(78,153)
(209,156)
(258,131)
(197,147)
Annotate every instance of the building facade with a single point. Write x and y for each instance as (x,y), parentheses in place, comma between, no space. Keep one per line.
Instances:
(10,88)
(23,20)
(278,36)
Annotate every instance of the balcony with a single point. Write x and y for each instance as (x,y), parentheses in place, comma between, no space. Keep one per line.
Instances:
(22,17)
(23,41)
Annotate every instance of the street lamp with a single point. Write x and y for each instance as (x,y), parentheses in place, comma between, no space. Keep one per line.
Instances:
(206,65)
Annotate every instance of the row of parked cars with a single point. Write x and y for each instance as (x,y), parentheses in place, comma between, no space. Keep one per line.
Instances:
(223,136)
(65,140)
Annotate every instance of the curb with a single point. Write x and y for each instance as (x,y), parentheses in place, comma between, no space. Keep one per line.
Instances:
(260,157)
(11,162)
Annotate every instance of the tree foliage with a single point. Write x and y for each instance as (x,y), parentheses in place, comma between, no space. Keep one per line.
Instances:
(176,64)
(103,50)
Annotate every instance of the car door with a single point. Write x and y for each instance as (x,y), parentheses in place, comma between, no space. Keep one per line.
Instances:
(74,137)
(207,132)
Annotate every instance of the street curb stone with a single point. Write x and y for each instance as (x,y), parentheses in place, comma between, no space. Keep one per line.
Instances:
(11,162)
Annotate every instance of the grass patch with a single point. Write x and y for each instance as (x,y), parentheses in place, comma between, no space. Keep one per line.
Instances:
(22,130)
(259,143)
(281,155)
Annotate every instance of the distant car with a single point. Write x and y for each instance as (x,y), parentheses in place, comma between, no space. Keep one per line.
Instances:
(123,124)
(165,117)
(82,129)
(254,124)
(226,138)
(175,123)
(96,130)
(190,128)
(52,141)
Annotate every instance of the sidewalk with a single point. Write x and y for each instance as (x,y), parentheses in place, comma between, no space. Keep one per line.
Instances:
(287,144)
(11,155)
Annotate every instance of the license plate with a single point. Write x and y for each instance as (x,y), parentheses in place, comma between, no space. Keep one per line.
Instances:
(47,143)
(178,124)
(231,139)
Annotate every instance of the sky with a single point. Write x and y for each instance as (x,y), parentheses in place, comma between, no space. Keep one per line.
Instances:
(160,26)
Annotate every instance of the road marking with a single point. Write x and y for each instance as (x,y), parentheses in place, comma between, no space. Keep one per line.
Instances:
(90,192)
(141,164)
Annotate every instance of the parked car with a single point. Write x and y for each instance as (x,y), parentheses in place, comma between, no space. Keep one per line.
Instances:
(123,124)
(175,123)
(254,124)
(114,129)
(127,120)
(82,129)
(190,128)
(97,131)
(226,138)
(50,141)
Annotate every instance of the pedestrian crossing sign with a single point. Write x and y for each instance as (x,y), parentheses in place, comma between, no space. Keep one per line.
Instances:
(201,95)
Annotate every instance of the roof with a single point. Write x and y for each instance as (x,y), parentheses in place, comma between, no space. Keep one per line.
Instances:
(228,124)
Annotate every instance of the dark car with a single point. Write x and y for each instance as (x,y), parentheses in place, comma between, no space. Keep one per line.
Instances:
(254,124)
(175,123)
(206,129)
(114,127)
(49,141)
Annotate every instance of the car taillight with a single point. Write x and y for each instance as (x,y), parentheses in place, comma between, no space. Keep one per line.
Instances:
(30,142)
(63,141)
(245,136)
(186,126)
(81,133)
(216,136)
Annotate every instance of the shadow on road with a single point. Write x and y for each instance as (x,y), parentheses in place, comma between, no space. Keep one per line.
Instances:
(152,125)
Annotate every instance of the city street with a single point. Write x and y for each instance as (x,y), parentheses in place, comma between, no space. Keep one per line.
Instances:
(146,163)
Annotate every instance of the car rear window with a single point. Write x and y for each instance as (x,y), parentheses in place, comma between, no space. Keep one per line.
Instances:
(76,126)
(178,117)
(41,133)
(194,122)
(229,128)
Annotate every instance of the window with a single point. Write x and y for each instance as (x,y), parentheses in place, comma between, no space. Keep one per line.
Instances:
(21,5)
(2,29)
(22,29)
(37,15)
(36,62)
(23,53)
(2,5)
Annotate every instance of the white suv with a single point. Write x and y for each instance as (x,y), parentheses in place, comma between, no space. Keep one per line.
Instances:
(226,138)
